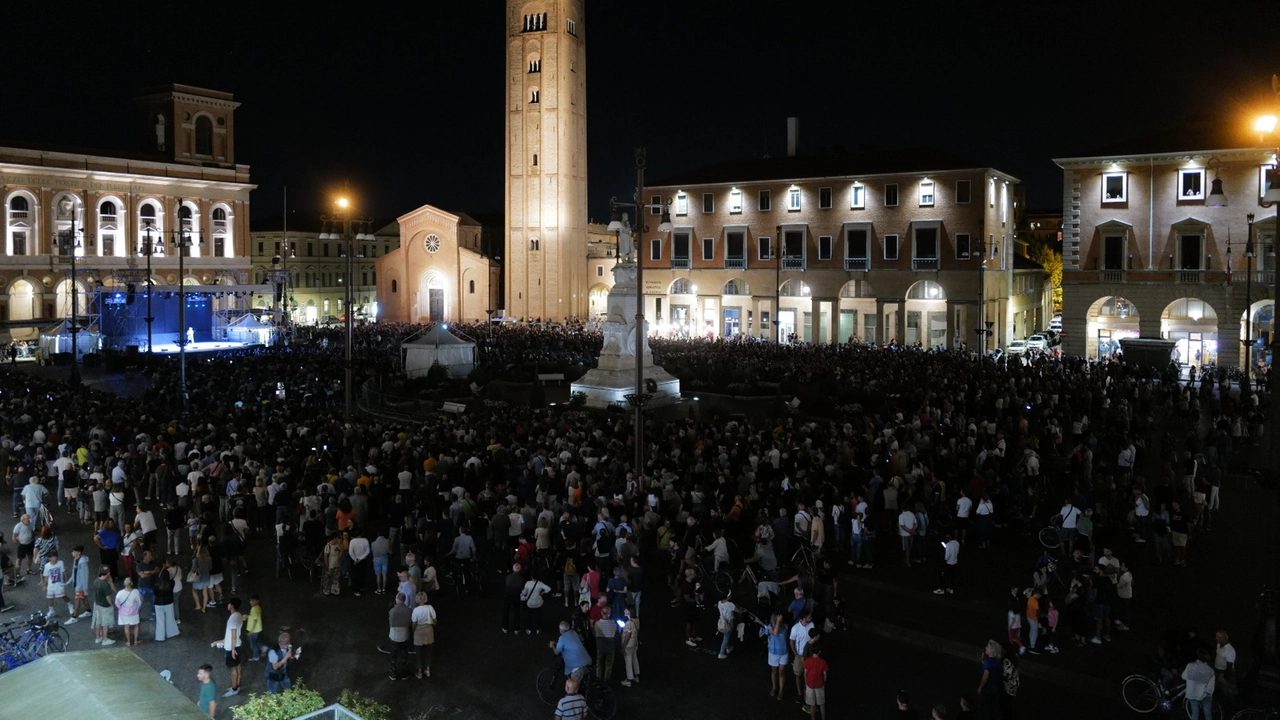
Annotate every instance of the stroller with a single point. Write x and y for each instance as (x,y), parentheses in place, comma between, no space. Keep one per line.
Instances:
(753,626)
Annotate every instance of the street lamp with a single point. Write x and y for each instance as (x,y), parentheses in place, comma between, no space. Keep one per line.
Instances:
(341,220)
(183,239)
(1247,341)
(619,224)
(68,245)
(1266,125)
(980,247)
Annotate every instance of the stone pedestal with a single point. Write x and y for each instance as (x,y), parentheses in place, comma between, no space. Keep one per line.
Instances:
(615,376)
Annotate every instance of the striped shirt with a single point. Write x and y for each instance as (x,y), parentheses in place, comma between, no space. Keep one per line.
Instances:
(571,707)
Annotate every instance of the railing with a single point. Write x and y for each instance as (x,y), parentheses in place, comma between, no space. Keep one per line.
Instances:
(1113,276)
(18,214)
(1189,277)
(793,263)
(683,263)
(924,263)
(863,264)
(107,219)
(735,263)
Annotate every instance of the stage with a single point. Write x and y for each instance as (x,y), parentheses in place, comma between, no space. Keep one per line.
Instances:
(198,347)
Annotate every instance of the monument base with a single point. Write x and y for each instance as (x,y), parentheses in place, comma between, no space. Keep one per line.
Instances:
(605,387)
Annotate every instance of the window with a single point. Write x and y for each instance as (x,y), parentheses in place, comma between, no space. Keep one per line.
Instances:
(600,271)
(108,244)
(1004,203)
(824,198)
(964,191)
(736,250)
(682,204)
(534,23)
(146,212)
(277,252)
(680,247)
(19,208)
(793,199)
(708,248)
(764,247)
(991,192)
(19,243)
(926,243)
(735,201)
(857,197)
(708,202)
(394,286)
(1190,251)
(856,245)
(534,245)
(325,248)
(535,65)
(766,201)
(926,193)
(108,210)
(962,246)
(1191,184)
(793,244)
(1115,187)
(204,135)
(891,195)
(655,204)
(824,247)
(655,249)
(535,159)
(572,29)
(533,95)
(311,249)
(890,247)
(364,279)
(1113,252)
(260,243)
(471,287)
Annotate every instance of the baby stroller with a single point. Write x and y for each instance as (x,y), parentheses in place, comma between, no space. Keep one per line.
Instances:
(752,626)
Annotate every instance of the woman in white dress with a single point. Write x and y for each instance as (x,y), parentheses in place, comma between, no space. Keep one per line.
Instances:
(128,610)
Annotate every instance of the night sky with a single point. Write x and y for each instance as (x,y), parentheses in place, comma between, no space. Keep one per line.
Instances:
(407,103)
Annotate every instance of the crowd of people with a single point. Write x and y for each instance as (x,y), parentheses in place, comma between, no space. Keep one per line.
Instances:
(947,447)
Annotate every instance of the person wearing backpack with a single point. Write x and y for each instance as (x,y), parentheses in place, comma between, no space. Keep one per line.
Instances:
(533,597)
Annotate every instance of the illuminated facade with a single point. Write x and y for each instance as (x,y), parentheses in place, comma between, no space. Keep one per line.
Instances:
(1148,251)
(439,272)
(876,246)
(185,177)
(317,270)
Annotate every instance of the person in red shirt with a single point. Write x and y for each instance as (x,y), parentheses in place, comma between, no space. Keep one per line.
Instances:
(524,553)
(815,682)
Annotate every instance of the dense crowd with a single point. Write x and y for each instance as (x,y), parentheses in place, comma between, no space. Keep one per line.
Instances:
(948,447)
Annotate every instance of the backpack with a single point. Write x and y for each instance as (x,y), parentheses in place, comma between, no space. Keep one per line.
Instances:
(570,567)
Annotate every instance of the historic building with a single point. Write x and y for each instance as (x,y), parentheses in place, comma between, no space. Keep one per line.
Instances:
(439,272)
(546,160)
(880,246)
(1154,238)
(317,270)
(111,206)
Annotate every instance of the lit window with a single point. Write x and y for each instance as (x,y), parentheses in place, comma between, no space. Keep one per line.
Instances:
(963,192)
(1115,187)
(890,247)
(793,199)
(991,192)
(735,201)
(926,193)
(891,195)
(533,95)
(857,197)
(766,201)
(682,204)
(573,28)
(824,198)
(1004,203)
(1191,184)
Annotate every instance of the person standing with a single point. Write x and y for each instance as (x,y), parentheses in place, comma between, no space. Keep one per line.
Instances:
(907,532)
(24,537)
(230,644)
(399,620)
(778,655)
(990,682)
(950,558)
(512,588)
(532,597)
(1224,667)
(108,541)
(1200,679)
(1011,680)
(798,639)
(423,626)
(1033,621)
(572,706)
(606,634)
(103,612)
(380,551)
(253,628)
(79,585)
(208,690)
(964,509)
(128,610)
(278,659)
(163,603)
(630,646)
(815,683)
(54,579)
(726,621)
(689,590)
(360,553)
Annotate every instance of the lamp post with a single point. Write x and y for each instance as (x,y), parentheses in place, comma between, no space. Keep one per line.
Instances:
(183,240)
(777,285)
(341,220)
(489,312)
(1249,252)
(149,249)
(618,224)
(980,247)
(1266,125)
(69,243)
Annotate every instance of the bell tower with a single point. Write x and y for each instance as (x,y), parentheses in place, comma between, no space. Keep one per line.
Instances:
(546,160)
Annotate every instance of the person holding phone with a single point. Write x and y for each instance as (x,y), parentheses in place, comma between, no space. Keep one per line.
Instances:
(278,659)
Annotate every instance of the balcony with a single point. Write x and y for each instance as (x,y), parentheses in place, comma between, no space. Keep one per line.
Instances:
(920,264)
(19,214)
(863,264)
(793,263)
(681,263)
(1115,276)
(1190,277)
(735,263)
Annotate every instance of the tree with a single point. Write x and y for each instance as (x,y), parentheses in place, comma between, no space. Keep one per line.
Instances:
(1051,259)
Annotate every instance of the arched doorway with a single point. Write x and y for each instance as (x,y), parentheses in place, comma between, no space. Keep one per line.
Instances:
(1193,324)
(682,296)
(22,300)
(736,318)
(598,301)
(926,314)
(432,305)
(794,304)
(1109,320)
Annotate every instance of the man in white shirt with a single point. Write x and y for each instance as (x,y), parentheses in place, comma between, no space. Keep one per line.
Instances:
(800,524)
(1224,664)
(950,558)
(907,531)
(1067,532)
(360,551)
(964,509)
(1141,515)
(1200,685)
(798,639)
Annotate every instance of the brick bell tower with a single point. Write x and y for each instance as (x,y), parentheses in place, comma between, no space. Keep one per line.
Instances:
(546,160)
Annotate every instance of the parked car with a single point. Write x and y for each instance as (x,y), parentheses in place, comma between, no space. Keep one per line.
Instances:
(1037,342)
(1016,347)
(1055,324)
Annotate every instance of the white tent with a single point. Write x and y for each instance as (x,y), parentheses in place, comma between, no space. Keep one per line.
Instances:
(458,356)
(249,329)
(56,338)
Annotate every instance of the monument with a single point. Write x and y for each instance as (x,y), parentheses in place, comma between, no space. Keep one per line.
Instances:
(614,377)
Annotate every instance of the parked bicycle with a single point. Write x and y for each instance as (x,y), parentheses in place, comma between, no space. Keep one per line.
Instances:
(1257,714)
(464,577)
(1146,694)
(601,702)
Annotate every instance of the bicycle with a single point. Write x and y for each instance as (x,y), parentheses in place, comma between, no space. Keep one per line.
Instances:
(1050,537)
(43,636)
(802,559)
(464,577)
(601,702)
(1144,694)
(1257,714)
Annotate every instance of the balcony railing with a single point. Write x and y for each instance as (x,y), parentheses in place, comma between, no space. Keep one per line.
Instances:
(735,263)
(924,263)
(681,263)
(18,214)
(863,264)
(793,263)
(1113,276)
(1190,277)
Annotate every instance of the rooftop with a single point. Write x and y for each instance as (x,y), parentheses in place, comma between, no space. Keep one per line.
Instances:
(1184,137)
(848,164)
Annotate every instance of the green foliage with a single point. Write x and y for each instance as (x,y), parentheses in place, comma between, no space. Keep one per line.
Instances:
(577,400)
(288,705)
(1052,261)
(364,707)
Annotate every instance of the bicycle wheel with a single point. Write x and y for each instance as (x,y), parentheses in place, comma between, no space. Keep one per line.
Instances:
(600,700)
(550,683)
(1248,713)
(53,643)
(1049,537)
(1140,693)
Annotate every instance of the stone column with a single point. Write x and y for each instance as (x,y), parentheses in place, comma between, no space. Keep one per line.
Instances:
(880,323)
(902,322)
(815,320)
(835,322)
(951,325)
(1230,352)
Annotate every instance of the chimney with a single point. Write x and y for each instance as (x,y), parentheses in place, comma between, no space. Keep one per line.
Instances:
(793,135)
